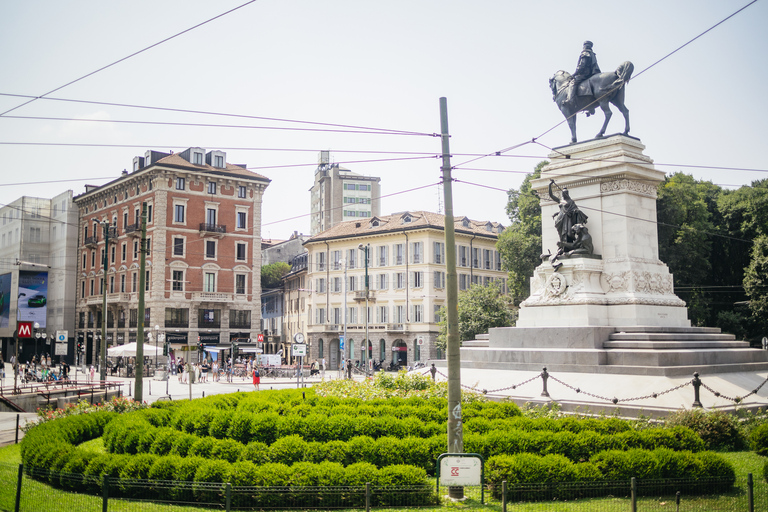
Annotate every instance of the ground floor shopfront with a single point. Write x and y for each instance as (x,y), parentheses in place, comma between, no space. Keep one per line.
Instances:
(386,348)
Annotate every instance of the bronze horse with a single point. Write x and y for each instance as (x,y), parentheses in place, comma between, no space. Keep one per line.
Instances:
(600,89)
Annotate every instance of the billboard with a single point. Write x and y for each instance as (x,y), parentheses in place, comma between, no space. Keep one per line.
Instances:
(5,300)
(33,296)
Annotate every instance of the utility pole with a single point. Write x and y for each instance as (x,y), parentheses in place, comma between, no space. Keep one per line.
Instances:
(138,393)
(455,426)
(363,359)
(103,346)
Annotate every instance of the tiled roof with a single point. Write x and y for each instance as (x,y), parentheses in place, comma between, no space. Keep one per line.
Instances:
(396,222)
(176,160)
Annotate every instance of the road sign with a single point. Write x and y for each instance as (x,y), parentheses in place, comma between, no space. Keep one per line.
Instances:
(461,470)
(61,349)
(299,350)
(61,336)
(260,337)
(25,329)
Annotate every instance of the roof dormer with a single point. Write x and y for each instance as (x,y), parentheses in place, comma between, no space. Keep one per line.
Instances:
(217,159)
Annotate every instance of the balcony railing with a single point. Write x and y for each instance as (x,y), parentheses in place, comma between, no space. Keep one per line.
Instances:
(211,297)
(132,230)
(360,295)
(212,228)
(239,325)
(177,323)
(91,240)
(208,325)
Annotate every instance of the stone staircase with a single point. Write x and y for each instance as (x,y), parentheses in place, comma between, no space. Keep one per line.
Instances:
(643,350)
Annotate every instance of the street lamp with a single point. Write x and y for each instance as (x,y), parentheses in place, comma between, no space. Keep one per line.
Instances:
(157,339)
(343,262)
(37,337)
(365,248)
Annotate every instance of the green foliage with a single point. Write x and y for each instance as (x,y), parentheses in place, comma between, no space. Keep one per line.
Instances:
(719,430)
(756,279)
(759,440)
(520,244)
(480,308)
(272,274)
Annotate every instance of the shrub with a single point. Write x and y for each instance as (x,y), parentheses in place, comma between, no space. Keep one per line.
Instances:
(227,449)
(220,424)
(719,430)
(211,471)
(288,449)
(240,426)
(202,447)
(759,439)
(361,473)
(163,442)
(256,452)
(765,471)
(182,444)
(620,465)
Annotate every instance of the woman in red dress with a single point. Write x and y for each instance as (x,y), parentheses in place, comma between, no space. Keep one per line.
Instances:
(256,378)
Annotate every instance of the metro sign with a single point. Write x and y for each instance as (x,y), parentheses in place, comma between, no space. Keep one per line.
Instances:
(25,329)
(260,338)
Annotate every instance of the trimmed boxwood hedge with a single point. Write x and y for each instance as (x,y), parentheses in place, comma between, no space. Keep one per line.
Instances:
(293,437)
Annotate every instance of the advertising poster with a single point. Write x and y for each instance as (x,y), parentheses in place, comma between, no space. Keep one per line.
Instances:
(33,296)
(5,300)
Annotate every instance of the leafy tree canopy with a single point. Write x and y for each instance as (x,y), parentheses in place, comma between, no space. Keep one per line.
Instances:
(480,308)
(272,274)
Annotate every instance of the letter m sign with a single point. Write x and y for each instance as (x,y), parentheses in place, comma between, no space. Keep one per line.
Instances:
(25,329)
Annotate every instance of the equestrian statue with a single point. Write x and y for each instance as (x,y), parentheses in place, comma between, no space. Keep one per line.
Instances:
(588,88)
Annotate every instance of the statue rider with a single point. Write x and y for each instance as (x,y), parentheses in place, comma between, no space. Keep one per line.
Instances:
(586,67)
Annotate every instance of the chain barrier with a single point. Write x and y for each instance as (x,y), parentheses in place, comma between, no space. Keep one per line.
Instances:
(696,383)
(486,391)
(736,399)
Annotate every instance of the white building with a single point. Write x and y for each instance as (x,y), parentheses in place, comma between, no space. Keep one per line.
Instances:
(406,273)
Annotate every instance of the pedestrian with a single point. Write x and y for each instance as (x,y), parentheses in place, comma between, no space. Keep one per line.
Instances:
(184,374)
(433,371)
(256,378)
(92,373)
(2,367)
(322,368)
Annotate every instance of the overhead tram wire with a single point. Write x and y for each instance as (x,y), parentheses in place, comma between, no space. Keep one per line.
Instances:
(129,56)
(238,116)
(719,235)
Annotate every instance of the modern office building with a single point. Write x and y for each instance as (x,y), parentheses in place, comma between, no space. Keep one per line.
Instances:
(338,195)
(203,256)
(38,253)
(407,286)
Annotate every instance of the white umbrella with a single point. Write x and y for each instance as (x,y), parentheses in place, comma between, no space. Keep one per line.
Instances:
(129,350)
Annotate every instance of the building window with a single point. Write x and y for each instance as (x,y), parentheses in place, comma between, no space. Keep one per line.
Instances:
(136,250)
(416,252)
(418,279)
(320,316)
(111,284)
(475,257)
(85,258)
(352,283)
(321,261)
(352,258)
(382,281)
(211,188)
(335,260)
(399,260)
(112,254)
(210,318)
(178,213)
(240,250)
(382,255)
(241,192)
(122,283)
(93,259)
(382,314)
(400,280)
(210,249)
(210,216)
(436,313)
(242,220)
(218,161)
(240,284)
(209,282)
(135,282)
(178,281)
(439,253)
(147,282)
(124,251)
(197,158)
(418,313)
(439,279)
(178,247)
(336,285)
(176,317)
(463,256)
(180,184)
(399,314)
(320,288)
(82,291)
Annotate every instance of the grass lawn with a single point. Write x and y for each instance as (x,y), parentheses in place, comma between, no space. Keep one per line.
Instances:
(40,497)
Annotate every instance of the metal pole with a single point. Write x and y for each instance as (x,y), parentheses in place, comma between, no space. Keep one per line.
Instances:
(367,289)
(455,429)
(346,341)
(103,347)
(138,393)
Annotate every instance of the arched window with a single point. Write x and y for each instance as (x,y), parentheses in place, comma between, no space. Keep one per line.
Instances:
(320,353)
(416,350)
(382,350)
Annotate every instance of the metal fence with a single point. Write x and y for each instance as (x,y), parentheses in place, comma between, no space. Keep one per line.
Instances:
(23,490)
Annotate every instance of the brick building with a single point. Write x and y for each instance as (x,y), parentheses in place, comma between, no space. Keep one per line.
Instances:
(203,260)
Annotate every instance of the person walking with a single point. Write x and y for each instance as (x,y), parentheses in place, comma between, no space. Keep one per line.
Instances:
(256,378)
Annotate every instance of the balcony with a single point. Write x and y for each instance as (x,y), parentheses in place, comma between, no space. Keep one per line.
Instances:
(217,230)
(239,325)
(112,298)
(177,323)
(133,230)
(91,241)
(211,297)
(395,327)
(360,295)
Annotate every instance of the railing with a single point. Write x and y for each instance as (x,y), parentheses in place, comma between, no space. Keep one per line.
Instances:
(208,325)
(239,325)
(212,228)
(211,297)
(177,323)
(91,240)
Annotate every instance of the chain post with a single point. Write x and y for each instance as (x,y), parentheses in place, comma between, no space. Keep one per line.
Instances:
(544,377)
(19,480)
(503,496)
(633,492)
(696,388)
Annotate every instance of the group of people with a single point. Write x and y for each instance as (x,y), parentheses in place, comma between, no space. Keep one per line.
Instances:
(38,369)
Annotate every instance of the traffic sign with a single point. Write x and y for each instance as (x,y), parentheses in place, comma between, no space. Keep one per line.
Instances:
(299,350)
(61,336)
(260,337)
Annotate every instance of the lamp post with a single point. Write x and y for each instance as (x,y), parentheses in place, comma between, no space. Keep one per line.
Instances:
(365,248)
(103,344)
(37,337)
(157,339)
(343,262)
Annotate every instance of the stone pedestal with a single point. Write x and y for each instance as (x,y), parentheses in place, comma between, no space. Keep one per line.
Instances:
(624,283)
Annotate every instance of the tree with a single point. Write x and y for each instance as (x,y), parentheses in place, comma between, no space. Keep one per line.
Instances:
(480,308)
(272,274)
(520,244)
(756,282)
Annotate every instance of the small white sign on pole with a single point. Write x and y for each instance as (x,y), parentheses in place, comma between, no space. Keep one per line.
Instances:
(61,349)
(299,350)
(461,471)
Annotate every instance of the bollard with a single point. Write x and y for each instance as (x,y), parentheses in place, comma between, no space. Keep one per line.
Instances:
(150,387)
(503,496)
(228,497)
(19,480)
(129,389)
(696,387)
(105,496)
(677,501)
(633,493)
(17,428)
(544,376)
(203,393)
(367,496)
(750,493)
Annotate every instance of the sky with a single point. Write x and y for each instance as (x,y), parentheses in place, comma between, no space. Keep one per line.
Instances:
(363,80)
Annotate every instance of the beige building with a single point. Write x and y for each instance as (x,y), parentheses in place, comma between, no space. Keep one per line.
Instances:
(406,271)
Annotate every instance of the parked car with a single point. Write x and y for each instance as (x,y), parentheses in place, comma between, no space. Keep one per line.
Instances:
(38,301)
